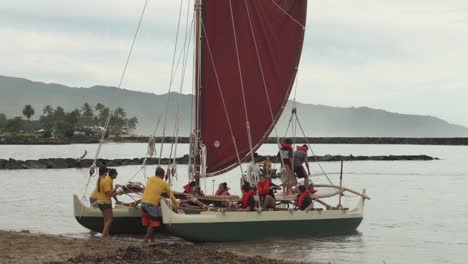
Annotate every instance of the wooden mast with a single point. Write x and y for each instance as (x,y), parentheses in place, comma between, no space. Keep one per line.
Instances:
(198,88)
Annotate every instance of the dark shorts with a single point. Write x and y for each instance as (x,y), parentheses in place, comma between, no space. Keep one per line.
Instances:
(300,172)
(151,215)
(104,206)
(92,201)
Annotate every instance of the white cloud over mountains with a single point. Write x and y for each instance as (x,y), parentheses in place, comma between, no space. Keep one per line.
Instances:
(403,56)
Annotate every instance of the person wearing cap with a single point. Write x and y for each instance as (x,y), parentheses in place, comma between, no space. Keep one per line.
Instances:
(105,191)
(155,188)
(300,157)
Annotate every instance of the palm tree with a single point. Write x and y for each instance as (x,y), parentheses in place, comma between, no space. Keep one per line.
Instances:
(118,121)
(132,123)
(47,110)
(99,107)
(28,111)
(87,115)
(59,114)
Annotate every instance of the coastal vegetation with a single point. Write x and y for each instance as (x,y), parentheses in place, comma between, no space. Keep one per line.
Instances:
(317,120)
(57,123)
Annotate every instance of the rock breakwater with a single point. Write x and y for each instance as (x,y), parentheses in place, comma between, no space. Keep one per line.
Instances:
(67,163)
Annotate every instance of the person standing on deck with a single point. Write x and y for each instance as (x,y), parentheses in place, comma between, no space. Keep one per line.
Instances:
(300,157)
(150,205)
(285,155)
(105,191)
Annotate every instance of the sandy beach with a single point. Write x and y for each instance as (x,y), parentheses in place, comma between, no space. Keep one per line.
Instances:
(25,247)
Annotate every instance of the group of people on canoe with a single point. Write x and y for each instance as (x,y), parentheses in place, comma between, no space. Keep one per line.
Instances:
(156,187)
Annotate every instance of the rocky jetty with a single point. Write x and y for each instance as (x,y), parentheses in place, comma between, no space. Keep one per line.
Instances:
(66,163)
(34,140)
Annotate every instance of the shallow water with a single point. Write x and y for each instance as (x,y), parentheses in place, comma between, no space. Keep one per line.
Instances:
(417,213)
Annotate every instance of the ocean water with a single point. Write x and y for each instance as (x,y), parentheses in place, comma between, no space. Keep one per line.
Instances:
(418,211)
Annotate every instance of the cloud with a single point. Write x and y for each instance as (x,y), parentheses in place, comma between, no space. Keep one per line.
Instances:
(77,45)
(402,56)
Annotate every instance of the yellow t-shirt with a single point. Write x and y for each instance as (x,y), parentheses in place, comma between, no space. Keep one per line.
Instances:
(105,187)
(94,193)
(155,186)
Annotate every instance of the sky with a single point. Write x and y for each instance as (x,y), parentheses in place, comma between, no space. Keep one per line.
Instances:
(405,56)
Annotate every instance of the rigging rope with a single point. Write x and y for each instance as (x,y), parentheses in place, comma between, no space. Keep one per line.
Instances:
(92,170)
(263,79)
(170,83)
(289,15)
(249,136)
(203,157)
(185,50)
(222,98)
(313,154)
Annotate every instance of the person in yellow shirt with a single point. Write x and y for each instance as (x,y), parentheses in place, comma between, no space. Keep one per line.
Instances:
(105,191)
(150,205)
(93,197)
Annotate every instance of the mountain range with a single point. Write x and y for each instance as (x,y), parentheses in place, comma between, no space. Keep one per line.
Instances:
(316,120)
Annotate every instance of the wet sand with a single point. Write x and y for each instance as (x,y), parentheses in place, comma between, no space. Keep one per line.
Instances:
(25,247)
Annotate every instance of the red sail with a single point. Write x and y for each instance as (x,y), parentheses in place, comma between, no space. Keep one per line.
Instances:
(276,29)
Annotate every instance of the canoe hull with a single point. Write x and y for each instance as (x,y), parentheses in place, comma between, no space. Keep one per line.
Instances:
(125,220)
(237,226)
(120,225)
(229,226)
(238,231)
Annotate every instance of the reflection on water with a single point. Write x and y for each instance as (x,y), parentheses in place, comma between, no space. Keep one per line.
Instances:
(317,249)
(417,213)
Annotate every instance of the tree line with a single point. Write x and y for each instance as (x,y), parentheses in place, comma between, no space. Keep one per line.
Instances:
(87,120)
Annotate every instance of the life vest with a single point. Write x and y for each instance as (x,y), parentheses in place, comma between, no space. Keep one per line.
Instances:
(187,188)
(289,146)
(301,198)
(286,162)
(264,188)
(246,197)
(301,148)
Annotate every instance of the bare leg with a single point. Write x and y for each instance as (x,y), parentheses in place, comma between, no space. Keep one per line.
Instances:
(107,223)
(291,181)
(149,234)
(306,182)
(268,202)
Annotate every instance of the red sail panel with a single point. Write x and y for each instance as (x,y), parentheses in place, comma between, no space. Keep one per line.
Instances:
(279,34)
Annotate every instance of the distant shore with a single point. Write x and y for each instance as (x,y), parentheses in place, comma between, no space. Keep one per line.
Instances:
(26,248)
(67,163)
(31,140)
